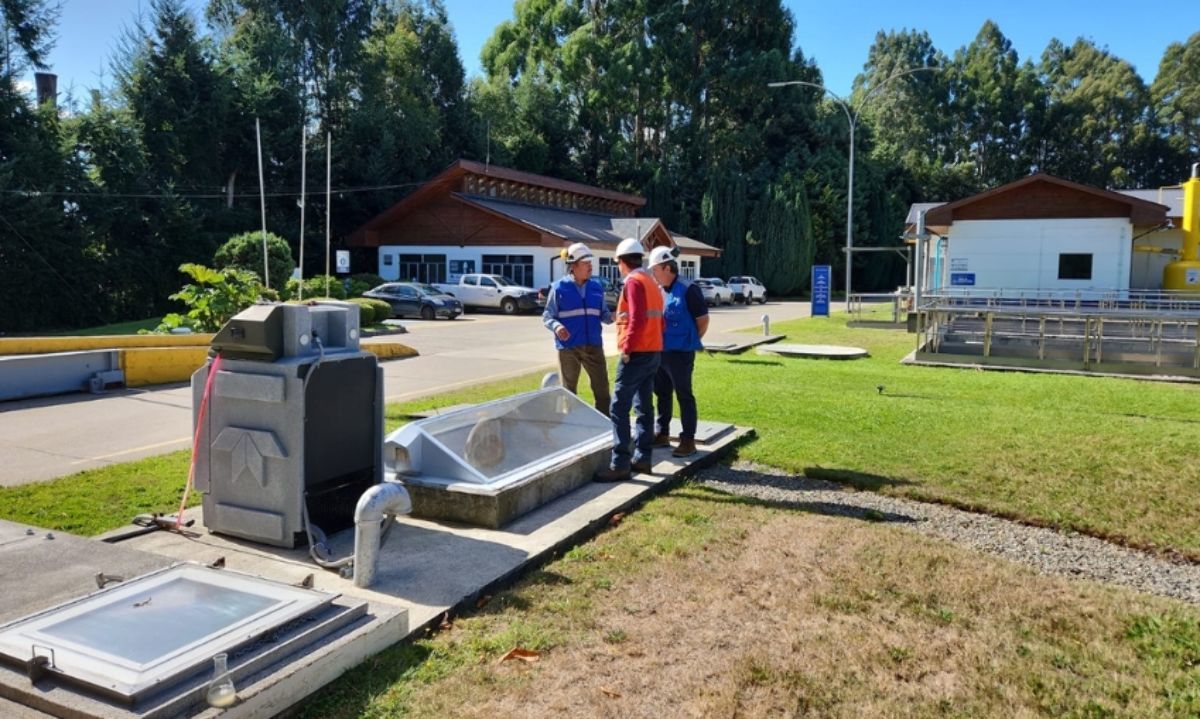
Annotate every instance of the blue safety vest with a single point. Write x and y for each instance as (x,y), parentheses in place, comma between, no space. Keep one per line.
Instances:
(579,313)
(679,327)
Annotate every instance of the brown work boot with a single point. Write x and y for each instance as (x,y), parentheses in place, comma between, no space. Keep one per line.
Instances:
(612,475)
(643,467)
(662,439)
(685,448)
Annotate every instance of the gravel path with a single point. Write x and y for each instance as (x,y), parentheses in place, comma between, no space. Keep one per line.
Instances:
(1046,550)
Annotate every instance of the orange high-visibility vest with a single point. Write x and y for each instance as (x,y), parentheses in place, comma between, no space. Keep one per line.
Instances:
(645,334)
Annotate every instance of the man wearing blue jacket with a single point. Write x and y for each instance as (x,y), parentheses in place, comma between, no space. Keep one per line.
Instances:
(685,320)
(574,312)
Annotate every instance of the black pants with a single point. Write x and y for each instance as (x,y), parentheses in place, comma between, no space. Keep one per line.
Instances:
(675,376)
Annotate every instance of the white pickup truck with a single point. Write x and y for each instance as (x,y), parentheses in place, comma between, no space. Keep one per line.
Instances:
(747,289)
(494,291)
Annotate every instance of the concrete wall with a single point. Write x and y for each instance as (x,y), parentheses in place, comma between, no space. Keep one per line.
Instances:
(1024,254)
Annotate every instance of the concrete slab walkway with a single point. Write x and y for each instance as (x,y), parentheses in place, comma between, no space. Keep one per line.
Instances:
(426,570)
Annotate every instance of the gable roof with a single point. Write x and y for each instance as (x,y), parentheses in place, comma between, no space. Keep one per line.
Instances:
(1171,198)
(451,180)
(992,204)
(590,228)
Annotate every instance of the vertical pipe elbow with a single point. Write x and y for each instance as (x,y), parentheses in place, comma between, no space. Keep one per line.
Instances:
(383,500)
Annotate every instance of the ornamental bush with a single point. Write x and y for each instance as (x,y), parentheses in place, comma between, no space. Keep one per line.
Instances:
(213,297)
(245,252)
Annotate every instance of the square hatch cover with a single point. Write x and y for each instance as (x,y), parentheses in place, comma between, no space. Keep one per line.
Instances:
(149,631)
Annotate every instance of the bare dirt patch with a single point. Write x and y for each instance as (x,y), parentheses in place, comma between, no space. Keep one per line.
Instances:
(701,605)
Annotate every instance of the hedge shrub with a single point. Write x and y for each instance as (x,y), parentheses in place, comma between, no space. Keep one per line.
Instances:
(314,288)
(383,310)
(366,313)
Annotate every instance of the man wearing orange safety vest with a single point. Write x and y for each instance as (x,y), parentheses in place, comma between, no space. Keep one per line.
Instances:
(640,340)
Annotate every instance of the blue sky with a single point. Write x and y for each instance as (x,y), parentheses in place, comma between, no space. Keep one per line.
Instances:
(836,33)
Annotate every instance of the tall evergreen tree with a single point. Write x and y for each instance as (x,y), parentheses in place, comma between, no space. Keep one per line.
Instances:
(1176,97)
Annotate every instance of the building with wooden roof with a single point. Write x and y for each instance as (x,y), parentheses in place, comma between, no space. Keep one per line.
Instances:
(474,217)
(1045,233)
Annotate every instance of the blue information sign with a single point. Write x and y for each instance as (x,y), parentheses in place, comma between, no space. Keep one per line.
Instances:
(962,279)
(822,281)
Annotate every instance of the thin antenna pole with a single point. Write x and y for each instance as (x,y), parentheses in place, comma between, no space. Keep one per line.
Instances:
(303,199)
(262,203)
(328,203)
(488,159)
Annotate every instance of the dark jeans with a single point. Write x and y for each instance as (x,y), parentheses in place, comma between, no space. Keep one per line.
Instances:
(590,358)
(634,386)
(675,374)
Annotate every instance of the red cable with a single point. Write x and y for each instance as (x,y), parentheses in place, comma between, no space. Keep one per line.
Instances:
(208,383)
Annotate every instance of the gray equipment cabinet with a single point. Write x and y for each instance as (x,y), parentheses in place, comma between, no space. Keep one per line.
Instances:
(295,415)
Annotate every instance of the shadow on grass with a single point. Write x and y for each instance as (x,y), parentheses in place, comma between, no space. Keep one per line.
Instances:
(828,509)
(858,480)
(353,693)
(753,361)
(902,395)
(1156,418)
(797,485)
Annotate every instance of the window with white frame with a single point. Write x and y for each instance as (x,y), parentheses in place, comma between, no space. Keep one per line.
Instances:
(423,268)
(518,268)
(687,269)
(609,269)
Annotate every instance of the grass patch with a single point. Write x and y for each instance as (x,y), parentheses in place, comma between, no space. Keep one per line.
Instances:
(1112,457)
(131,327)
(764,611)
(97,500)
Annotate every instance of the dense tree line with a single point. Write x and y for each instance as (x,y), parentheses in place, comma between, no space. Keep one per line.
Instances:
(102,201)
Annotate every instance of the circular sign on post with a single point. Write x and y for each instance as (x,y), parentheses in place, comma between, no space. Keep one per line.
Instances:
(343,262)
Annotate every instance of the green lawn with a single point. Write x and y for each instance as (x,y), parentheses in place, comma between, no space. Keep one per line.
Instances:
(120,328)
(1106,456)
(1111,457)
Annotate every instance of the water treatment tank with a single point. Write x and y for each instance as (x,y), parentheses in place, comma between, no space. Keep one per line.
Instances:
(1184,273)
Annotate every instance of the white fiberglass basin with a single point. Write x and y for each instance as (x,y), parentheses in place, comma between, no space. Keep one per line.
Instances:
(499,442)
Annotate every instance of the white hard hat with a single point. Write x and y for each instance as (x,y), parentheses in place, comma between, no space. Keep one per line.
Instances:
(630,246)
(661,255)
(576,252)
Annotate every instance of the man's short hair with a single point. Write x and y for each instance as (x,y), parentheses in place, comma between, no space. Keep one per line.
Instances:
(634,261)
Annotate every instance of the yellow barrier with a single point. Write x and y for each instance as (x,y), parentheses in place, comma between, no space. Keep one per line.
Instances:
(390,350)
(47,345)
(162,365)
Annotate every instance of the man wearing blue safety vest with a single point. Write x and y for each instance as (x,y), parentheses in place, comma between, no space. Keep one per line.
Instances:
(574,312)
(685,320)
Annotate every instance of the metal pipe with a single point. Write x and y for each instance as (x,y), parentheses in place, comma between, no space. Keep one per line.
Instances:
(382,502)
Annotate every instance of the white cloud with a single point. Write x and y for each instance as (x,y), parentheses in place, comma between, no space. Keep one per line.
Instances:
(25,87)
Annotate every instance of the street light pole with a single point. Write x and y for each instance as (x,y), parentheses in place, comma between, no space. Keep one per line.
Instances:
(852,121)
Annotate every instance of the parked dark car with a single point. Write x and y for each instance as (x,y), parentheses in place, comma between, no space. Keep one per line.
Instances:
(612,291)
(413,299)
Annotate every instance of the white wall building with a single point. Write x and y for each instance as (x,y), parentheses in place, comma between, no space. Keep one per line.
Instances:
(482,218)
(1045,234)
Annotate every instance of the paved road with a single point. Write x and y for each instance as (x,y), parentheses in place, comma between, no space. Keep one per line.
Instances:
(51,437)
